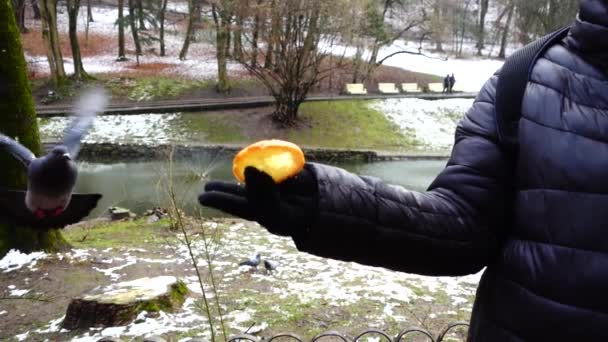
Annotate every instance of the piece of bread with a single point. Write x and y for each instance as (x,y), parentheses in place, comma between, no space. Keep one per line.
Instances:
(280,159)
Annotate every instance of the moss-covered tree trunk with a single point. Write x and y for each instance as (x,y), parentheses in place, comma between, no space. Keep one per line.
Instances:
(48,11)
(18,120)
(73,7)
(19,8)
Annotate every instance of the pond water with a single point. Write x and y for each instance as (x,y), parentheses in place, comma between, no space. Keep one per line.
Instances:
(141,186)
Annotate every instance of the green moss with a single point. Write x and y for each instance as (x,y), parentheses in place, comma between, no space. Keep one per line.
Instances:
(120,233)
(170,303)
(149,306)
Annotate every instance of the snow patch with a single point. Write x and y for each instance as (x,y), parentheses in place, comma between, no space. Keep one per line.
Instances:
(430,122)
(14,260)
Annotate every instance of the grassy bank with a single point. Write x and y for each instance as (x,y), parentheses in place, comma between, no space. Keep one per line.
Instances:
(348,124)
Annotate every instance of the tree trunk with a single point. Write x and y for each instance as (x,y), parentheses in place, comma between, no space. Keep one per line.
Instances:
(140,15)
(198,10)
(254,38)
(272,37)
(161,19)
(48,11)
(228,39)
(237,53)
(223,86)
(121,31)
(463,27)
(89,12)
(18,120)
(437,25)
(73,7)
(191,14)
(132,24)
(286,111)
(481,29)
(505,33)
(36,9)
(357,60)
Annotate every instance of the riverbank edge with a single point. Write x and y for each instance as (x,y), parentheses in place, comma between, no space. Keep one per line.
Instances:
(111,152)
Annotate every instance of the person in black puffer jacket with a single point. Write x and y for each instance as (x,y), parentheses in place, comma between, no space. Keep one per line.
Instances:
(537,223)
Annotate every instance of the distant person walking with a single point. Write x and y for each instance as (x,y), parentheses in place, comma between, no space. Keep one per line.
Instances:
(451,81)
(446,84)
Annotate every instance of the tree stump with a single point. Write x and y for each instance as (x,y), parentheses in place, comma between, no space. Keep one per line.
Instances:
(119,304)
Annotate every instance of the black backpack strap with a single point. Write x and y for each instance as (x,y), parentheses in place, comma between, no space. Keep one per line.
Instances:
(512,82)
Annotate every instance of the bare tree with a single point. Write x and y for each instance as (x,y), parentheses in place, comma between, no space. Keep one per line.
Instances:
(89,12)
(48,11)
(302,45)
(222,16)
(140,14)
(384,33)
(134,31)
(161,19)
(73,7)
(121,32)
(505,32)
(189,30)
(483,9)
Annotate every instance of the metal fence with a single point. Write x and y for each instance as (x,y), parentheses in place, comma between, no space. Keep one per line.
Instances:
(403,336)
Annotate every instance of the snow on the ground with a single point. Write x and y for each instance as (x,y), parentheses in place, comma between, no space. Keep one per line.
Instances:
(430,122)
(298,275)
(150,129)
(470,73)
(14,260)
(15,292)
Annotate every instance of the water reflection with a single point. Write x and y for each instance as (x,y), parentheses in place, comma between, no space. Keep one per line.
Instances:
(140,186)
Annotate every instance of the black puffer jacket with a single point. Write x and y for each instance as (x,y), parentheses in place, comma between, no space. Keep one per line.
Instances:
(539,223)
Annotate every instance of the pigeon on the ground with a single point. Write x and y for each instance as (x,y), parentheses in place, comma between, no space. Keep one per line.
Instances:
(253,262)
(270,265)
(49,201)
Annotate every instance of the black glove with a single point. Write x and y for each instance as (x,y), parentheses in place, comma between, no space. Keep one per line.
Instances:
(284,209)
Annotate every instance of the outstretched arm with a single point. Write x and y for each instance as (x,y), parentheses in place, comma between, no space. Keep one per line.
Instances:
(453,228)
(20,152)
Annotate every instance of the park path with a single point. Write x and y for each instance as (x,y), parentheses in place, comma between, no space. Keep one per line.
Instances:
(199,105)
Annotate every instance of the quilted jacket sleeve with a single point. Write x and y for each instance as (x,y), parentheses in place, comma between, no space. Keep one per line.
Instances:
(453,228)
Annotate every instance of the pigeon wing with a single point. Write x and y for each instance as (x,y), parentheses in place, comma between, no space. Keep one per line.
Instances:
(90,104)
(20,152)
(13,210)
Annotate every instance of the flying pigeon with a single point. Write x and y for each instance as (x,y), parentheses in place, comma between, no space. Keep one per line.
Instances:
(270,265)
(49,201)
(253,262)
